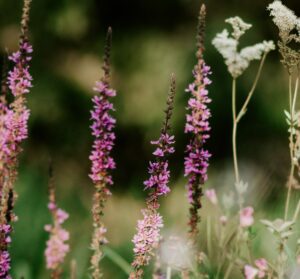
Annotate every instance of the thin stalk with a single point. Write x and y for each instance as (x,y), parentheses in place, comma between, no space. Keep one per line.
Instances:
(296,212)
(208,231)
(237,117)
(228,271)
(244,107)
(292,104)
(169,272)
(234,131)
(118,260)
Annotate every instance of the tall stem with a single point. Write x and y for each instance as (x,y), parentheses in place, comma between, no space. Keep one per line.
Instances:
(169,272)
(292,104)
(234,132)
(237,117)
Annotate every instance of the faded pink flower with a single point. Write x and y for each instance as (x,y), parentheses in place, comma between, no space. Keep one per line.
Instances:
(246,217)
(223,220)
(262,266)
(57,248)
(250,272)
(211,195)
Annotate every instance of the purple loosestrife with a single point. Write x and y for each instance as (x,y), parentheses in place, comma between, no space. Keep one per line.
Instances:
(197,125)
(147,238)
(14,116)
(5,231)
(57,248)
(102,162)
(13,130)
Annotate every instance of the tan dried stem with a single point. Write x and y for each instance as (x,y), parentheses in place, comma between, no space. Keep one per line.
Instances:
(106,57)
(201,32)
(170,105)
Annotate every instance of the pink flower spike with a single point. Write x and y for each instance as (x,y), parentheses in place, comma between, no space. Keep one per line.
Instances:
(246,217)
(250,272)
(211,195)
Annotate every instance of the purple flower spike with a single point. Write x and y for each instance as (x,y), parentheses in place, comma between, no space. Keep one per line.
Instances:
(102,127)
(147,238)
(198,127)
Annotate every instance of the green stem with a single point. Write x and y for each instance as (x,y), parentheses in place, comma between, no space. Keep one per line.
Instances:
(118,260)
(250,94)
(169,272)
(228,271)
(237,117)
(234,132)
(292,104)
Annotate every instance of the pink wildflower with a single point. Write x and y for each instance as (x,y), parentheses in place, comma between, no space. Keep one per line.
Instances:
(246,217)
(211,195)
(250,272)
(262,266)
(57,248)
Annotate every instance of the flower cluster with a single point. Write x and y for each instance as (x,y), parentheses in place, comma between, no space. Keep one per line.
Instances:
(246,217)
(103,124)
(196,161)
(19,79)
(5,231)
(148,229)
(238,62)
(57,248)
(259,271)
(289,31)
(284,18)
(147,237)
(158,170)
(14,118)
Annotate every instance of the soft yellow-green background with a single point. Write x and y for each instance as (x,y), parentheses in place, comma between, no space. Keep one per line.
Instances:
(151,39)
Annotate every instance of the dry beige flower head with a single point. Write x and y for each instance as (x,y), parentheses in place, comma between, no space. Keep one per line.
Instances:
(289,31)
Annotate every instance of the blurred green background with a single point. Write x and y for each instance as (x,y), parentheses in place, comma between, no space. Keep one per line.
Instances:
(151,39)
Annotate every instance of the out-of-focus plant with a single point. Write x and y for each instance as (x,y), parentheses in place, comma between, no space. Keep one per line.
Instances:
(57,248)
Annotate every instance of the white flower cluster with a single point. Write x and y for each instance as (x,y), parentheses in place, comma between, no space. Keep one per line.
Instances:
(283,17)
(239,26)
(238,62)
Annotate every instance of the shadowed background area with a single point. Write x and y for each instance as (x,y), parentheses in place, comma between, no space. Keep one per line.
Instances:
(151,39)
